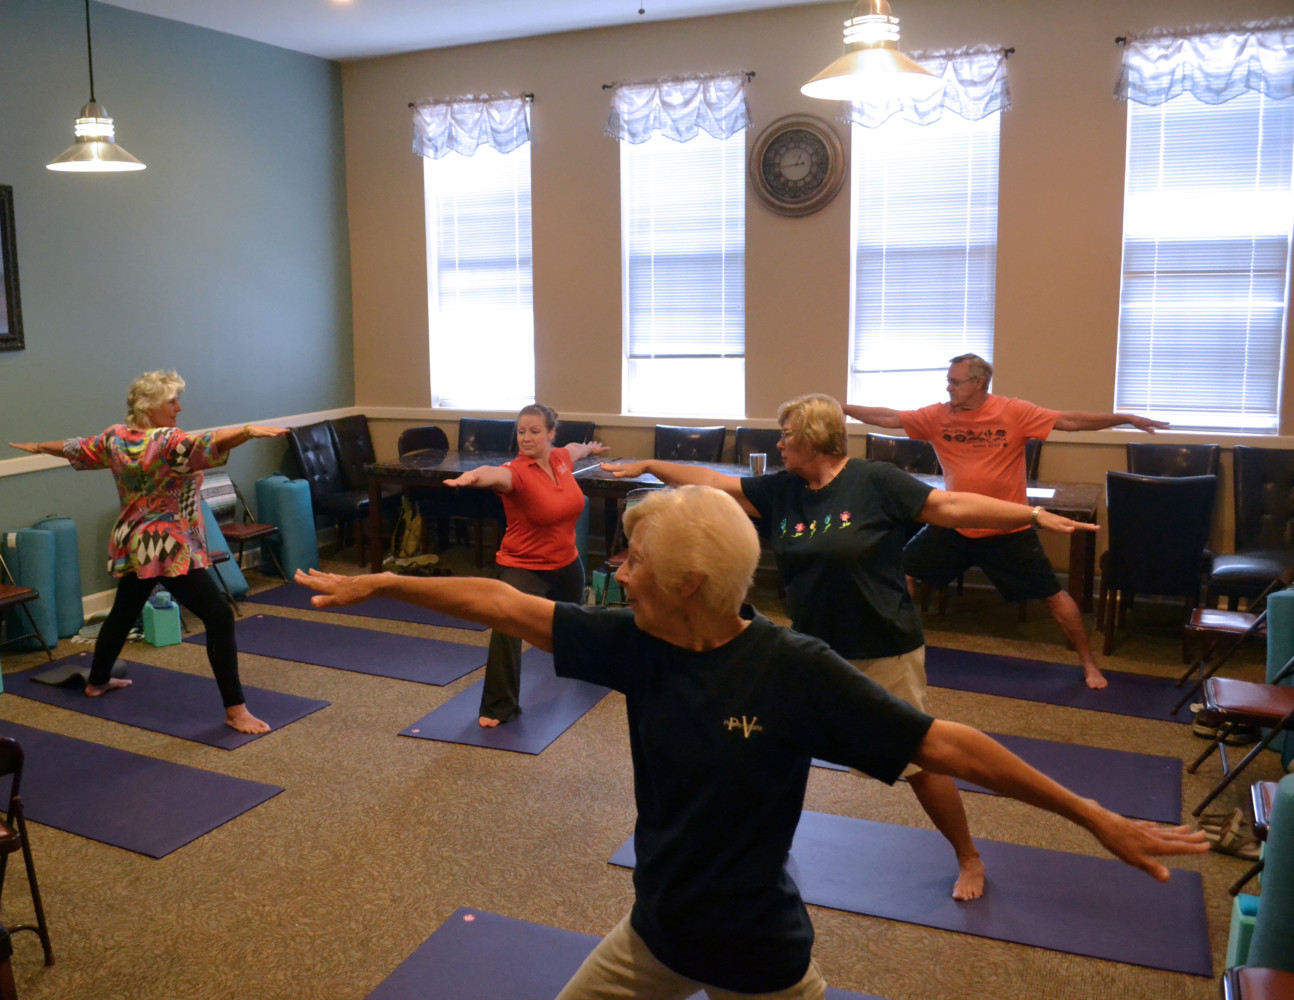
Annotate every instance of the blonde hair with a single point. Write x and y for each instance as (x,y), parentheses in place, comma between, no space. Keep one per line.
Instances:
(817,419)
(148,392)
(701,530)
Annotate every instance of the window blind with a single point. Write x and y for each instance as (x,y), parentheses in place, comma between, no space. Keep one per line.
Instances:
(684,231)
(925,249)
(480,289)
(1208,211)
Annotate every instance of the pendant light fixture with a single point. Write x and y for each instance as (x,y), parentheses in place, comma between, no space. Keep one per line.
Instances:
(872,64)
(94,151)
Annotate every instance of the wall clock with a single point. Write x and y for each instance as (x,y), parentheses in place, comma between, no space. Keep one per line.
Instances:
(797,165)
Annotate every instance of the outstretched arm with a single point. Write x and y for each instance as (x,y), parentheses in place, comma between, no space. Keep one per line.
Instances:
(578,449)
(962,752)
(494,477)
(973,510)
(478,599)
(1081,420)
(877,416)
(228,438)
(39,447)
(683,475)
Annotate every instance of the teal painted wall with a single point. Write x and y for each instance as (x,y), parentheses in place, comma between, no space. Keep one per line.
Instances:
(227,259)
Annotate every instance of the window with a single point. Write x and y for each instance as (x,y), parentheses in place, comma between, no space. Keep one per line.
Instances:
(924,229)
(1206,248)
(684,228)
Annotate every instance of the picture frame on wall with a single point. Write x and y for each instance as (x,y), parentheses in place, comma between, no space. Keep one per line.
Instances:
(11,338)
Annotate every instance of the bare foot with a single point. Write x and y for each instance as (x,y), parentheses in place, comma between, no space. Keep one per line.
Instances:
(237,717)
(1094,678)
(487,723)
(94,690)
(970,880)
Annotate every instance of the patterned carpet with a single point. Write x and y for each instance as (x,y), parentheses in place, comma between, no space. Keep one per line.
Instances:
(323,890)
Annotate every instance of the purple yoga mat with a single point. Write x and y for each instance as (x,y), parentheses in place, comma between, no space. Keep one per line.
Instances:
(148,806)
(549,706)
(476,955)
(382,654)
(166,701)
(1138,695)
(293,595)
(1143,786)
(1073,903)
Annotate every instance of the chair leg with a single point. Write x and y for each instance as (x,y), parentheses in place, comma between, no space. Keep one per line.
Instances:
(1238,884)
(229,595)
(1230,773)
(36,628)
(1111,599)
(41,928)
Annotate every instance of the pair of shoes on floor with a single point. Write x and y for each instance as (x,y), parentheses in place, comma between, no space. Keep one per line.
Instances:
(1206,727)
(1230,835)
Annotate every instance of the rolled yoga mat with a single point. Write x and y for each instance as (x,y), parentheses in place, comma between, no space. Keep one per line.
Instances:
(293,595)
(475,955)
(164,701)
(148,806)
(1072,903)
(1138,695)
(365,651)
(1143,786)
(549,706)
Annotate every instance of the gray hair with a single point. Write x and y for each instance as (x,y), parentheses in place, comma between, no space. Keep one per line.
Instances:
(148,392)
(979,368)
(701,530)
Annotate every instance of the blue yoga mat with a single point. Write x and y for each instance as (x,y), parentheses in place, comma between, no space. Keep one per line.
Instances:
(166,701)
(476,955)
(1073,903)
(1143,786)
(148,806)
(293,595)
(365,651)
(549,706)
(1138,695)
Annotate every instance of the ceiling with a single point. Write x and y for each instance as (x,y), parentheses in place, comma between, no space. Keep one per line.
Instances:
(360,29)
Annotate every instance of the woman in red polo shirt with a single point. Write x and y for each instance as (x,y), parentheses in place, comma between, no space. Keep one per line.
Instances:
(538,555)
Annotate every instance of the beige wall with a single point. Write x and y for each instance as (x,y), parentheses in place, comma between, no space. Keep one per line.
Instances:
(1060,210)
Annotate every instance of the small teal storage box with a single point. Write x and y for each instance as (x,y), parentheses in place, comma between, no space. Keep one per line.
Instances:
(1244,912)
(161,625)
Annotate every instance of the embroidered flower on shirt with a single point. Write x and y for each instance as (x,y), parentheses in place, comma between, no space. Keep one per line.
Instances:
(783,528)
(844,518)
(813,528)
(799,530)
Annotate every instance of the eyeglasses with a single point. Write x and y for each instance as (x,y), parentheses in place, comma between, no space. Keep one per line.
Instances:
(962,381)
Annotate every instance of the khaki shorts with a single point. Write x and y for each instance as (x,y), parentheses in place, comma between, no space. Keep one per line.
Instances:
(902,676)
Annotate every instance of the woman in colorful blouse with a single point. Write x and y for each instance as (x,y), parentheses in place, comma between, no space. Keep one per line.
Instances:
(159,535)
(538,555)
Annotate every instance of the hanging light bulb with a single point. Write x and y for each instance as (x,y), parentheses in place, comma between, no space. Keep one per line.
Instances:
(94,150)
(872,64)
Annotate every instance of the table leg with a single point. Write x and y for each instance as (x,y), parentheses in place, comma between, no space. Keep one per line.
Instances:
(375,524)
(1082,568)
(610,523)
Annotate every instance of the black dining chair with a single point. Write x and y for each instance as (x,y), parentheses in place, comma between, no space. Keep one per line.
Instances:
(908,455)
(1153,459)
(477,434)
(689,444)
(1158,527)
(1263,480)
(315,454)
(435,505)
(1032,458)
(574,432)
(753,440)
(15,838)
(427,437)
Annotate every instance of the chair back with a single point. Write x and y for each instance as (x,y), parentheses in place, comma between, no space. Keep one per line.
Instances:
(424,438)
(1264,485)
(908,455)
(1158,529)
(480,434)
(1032,458)
(751,440)
(11,759)
(689,444)
(316,456)
(1147,459)
(354,444)
(574,432)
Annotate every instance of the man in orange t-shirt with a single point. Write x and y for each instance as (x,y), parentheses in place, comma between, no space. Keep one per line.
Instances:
(980,441)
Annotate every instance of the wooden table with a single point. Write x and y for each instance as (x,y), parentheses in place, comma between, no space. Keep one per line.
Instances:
(1077,501)
(430,467)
